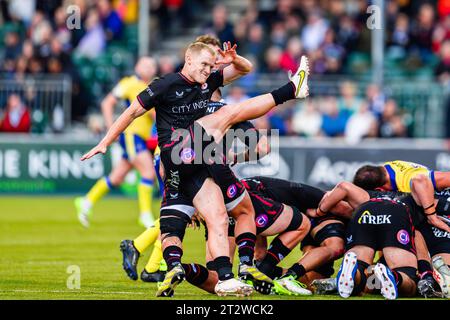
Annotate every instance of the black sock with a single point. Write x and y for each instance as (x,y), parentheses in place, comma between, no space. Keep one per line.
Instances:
(362,266)
(398,278)
(276,252)
(277,272)
(246,247)
(210,266)
(284,93)
(172,255)
(297,270)
(196,274)
(223,268)
(424,268)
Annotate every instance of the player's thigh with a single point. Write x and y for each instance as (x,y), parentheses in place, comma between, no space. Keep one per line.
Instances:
(363,253)
(397,257)
(210,203)
(328,228)
(143,162)
(281,223)
(120,171)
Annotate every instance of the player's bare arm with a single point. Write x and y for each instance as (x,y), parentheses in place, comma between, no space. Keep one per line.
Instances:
(107,106)
(423,193)
(346,191)
(135,110)
(237,67)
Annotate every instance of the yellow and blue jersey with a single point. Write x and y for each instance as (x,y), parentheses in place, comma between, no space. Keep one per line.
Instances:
(401,174)
(133,139)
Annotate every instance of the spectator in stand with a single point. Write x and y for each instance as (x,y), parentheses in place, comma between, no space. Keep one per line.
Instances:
(349,101)
(220,26)
(441,34)
(422,31)
(255,45)
(347,33)
(313,34)
(27,49)
(333,120)
(278,34)
(331,49)
(235,95)
(166,65)
(391,122)
(94,41)
(17,117)
(399,41)
(12,45)
(376,99)
(361,124)
(272,61)
(442,70)
(112,24)
(291,56)
(62,33)
(307,120)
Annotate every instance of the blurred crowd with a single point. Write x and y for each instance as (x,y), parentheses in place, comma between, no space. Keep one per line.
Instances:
(348,115)
(45,37)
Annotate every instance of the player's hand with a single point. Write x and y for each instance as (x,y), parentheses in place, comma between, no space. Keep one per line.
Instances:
(100,148)
(195,221)
(438,223)
(228,54)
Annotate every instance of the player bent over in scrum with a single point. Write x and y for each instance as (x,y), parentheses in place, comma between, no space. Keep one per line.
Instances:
(325,242)
(288,223)
(380,222)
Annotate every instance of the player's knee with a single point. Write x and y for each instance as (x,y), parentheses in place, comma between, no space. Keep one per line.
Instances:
(173,226)
(335,246)
(306,224)
(217,222)
(116,181)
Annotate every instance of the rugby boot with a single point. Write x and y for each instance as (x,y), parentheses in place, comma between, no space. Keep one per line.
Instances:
(346,275)
(130,258)
(387,280)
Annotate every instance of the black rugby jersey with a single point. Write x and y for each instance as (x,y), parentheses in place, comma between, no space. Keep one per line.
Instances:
(178,102)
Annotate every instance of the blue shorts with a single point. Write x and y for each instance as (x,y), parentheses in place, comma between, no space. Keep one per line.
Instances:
(131,145)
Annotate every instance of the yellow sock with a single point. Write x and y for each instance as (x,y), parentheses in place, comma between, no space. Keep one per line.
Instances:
(145,190)
(147,238)
(100,188)
(155,258)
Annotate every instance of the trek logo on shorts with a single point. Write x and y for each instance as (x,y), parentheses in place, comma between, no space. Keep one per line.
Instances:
(368,218)
(187,155)
(403,237)
(232,190)
(261,220)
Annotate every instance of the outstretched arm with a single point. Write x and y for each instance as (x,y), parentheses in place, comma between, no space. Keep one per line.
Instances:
(344,191)
(135,110)
(422,191)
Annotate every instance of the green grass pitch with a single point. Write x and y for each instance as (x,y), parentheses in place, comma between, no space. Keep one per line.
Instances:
(40,238)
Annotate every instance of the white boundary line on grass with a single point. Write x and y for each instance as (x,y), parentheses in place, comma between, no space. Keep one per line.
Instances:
(73,291)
